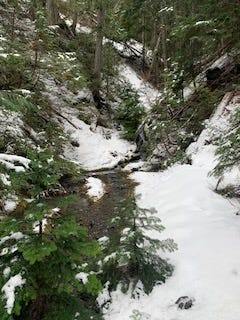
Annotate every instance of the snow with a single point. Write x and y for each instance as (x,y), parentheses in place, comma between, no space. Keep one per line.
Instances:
(11,123)
(220,62)
(10,205)
(95,188)
(134,166)
(130,48)
(203,22)
(83,277)
(5,179)
(79,28)
(216,126)
(44,225)
(6,272)
(13,236)
(9,161)
(98,148)
(9,290)
(201,79)
(205,227)
(148,95)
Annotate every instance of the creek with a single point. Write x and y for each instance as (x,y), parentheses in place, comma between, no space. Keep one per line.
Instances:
(96,215)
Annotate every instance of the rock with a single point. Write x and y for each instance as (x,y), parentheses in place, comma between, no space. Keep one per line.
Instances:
(184,302)
(213,74)
(75,144)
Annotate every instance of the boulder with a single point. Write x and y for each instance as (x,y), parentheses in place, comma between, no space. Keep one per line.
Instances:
(184,302)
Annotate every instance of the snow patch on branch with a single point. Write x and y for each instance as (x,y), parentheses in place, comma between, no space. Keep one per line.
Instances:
(82,276)
(9,161)
(9,290)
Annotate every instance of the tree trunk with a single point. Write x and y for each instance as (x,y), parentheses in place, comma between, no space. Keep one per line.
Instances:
(98,57)
(52,12)
(154,55)
(75,19)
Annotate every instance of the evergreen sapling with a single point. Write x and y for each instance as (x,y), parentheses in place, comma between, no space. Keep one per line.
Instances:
(133,254)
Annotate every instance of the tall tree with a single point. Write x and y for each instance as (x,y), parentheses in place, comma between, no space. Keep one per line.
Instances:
(98,54)
(52,12)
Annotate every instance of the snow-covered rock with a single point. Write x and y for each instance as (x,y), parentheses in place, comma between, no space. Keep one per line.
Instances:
(95,188)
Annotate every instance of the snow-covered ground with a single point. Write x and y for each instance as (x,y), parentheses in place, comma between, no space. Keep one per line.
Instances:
(207,230)
(91,146)
(98,147)
(148,95)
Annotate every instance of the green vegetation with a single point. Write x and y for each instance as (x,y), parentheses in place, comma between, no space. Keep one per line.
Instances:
(132,253)
(228,147)
(46,62)
(47,249)
(131,113)
(43,174)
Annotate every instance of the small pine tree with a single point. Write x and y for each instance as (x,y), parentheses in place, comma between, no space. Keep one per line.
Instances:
(228,150)
(46,250)
(131,113)
(133,254)
(43,174)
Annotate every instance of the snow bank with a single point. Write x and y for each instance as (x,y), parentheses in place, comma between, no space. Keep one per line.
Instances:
(5,179)
(98,147)
(11,123)
(205,227)
(147,93)
(201,151)
(95,188)
(216,124)
(82,276)
(13,236)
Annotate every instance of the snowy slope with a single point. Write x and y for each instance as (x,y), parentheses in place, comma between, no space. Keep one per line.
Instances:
(207,230)
(98,147)
(148,95)
(95,147)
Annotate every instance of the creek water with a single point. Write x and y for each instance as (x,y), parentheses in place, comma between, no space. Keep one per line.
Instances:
(96,215)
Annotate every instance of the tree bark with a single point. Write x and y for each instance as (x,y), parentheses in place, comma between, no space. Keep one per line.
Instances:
(52,12)
(74,23)
(98,57)
(154,56)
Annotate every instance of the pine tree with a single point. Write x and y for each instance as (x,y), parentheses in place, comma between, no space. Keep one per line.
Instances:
(50,254)
(228,147)
(133,255)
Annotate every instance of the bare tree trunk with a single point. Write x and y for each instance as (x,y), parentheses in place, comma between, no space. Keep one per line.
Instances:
(98,57)
(52,12)
(154,55)
(164,49)
(75,20)
(143,39)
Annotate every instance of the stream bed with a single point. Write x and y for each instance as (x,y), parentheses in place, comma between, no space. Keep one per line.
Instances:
(96,215)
